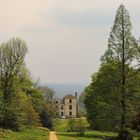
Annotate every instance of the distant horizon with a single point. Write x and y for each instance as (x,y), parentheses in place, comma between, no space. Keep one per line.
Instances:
(65,83)
(64,89)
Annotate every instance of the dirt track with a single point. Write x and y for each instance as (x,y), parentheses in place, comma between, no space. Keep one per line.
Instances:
(53,135)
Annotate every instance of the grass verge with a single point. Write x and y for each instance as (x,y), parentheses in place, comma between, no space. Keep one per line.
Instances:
(89,135)
(27,134)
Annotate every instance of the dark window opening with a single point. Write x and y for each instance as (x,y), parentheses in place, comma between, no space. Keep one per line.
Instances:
(70,113)
(70,107)
(62,113)
(62,107)
(70,100)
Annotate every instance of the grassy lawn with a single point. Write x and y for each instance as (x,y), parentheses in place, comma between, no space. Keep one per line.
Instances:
(62,134)
(61,125)
(27,134)
(89,135)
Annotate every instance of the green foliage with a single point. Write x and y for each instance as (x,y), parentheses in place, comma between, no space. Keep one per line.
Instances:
(121,43)
(32,117)
(48,114)
(125,134)
(135,123)
(15,84)
(27,134)
(71,124)
(99,107)
(114,93)
(1,108)
(15,111)
(12,56)
(77,125)
(60,125)
(81,105)
(36,97)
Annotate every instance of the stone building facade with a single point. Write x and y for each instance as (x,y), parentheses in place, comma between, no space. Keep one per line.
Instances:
(67,107)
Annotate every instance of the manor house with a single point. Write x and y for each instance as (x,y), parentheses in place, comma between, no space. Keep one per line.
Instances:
(67,107)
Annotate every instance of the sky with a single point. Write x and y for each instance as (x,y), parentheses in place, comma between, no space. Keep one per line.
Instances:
(66,38)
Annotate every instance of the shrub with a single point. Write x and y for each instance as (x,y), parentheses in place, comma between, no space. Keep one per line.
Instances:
(125,134)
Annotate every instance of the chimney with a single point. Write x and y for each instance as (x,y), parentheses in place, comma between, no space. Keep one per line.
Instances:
(76,95)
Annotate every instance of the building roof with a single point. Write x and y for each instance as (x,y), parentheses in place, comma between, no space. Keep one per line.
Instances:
(70,96)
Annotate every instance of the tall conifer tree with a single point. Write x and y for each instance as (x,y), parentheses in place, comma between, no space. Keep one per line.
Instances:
(116,85)
(121,49)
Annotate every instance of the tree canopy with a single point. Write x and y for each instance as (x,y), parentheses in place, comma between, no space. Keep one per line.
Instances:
(114,93)
(21,100)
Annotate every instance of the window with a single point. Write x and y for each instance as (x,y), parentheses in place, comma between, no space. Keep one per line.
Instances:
(70,113)
(70,100)
(61,107)
(62,113)
(70,107)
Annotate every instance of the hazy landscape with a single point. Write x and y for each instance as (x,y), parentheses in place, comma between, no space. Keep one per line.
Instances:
(63,89)
(50,50)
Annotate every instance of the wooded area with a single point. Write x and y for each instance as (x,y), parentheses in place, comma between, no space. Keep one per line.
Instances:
(113,98)
(22,100)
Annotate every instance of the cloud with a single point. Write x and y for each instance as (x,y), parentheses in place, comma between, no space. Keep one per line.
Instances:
(66,37)
(52,15)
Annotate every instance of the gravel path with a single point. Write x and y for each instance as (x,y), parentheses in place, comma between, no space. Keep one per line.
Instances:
(53,135)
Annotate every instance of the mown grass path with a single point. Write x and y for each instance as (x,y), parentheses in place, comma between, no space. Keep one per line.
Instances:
(53,135)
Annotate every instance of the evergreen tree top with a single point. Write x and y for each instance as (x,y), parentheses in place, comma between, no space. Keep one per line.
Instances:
(122,18)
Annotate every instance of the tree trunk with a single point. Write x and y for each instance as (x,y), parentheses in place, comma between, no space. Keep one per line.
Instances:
(123,105)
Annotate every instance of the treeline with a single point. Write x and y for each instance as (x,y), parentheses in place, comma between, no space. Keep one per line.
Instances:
(22,101)
(113,98)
